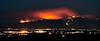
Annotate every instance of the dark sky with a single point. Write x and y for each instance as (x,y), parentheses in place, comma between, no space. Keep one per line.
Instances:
(10,9)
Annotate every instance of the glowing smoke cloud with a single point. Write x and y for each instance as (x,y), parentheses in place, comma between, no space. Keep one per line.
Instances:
(54,13)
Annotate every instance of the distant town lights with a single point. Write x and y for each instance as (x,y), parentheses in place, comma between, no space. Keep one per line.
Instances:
(40,31)
(67,24)
(23,31)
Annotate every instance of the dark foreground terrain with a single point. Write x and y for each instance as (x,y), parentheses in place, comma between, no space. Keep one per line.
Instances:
(51,37)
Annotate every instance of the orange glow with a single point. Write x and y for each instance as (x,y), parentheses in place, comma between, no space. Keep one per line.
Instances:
(58,13)
(48,16)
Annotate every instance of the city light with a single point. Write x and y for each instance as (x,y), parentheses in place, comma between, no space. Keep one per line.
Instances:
(40,31)
(23,34)
(23,31)
(67,24)
(50,33)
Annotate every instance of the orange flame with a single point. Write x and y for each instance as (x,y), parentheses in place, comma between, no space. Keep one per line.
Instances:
(24,21)
(54,13)
(49,16)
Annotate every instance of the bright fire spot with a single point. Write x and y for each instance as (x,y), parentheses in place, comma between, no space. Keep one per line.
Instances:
(24,21)
(58,13)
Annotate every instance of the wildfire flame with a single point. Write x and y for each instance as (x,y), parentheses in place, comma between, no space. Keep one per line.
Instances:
(24,21)
(54,13)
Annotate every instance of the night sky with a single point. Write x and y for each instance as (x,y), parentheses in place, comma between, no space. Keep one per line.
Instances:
(11,10)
